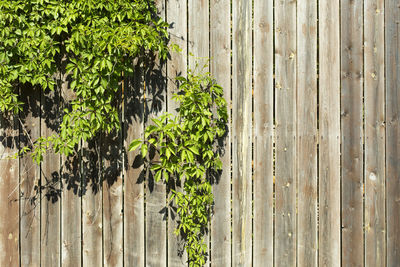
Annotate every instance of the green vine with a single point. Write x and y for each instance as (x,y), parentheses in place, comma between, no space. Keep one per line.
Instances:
(188,155)
(90,44)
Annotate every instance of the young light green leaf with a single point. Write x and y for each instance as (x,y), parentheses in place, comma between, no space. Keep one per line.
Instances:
(144,149)
(135,144)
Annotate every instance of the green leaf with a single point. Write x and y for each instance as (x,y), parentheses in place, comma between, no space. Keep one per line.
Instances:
(135,144)
(194,149)
(157,177)
(144,149)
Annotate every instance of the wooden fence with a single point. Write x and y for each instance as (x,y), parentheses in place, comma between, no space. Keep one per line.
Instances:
(311,164)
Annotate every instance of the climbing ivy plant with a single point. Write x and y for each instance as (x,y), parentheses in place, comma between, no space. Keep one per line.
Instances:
(186,144)
(89,44)
(85,47)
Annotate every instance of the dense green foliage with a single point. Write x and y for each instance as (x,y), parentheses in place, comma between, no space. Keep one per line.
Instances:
(188,154)
(85,48)
(89,43)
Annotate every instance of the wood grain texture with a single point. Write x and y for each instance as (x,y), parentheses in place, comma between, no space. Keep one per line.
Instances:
(50,180)
(199,52)
(352,132)
(374,97)
(263,133)
(198,33)
(285,108)
(392,62)
(156,216)
(307,228)
(329,132)
(133,176)
(30,179)
(92,204)
(70,199)
(241,133)
(9,192)
(220,68)
(176,66)
(111,156)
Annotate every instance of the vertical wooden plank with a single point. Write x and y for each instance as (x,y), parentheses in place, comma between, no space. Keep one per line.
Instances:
(198,36)
(329,129)
(264,131)
(352,132)
(111,157)
(156,214)
(50,180)
(374,69)
(176,66)
(70,199)
(220,69)
(307,228)
(133,178)
(285,104)
(198,32)
(92,204)
(242,128)
(30,176)
(392,63)
(9,192)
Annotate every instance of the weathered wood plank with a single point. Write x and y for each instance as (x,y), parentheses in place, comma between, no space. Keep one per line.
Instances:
(111,157)
(329,129)
(133,179)
(92,205)
(30,179)
(374,97)
(70,199)
(352,132)
(241,133)
(198,35)
(176,66)
(9,192)
(50,180)
(307,228)
(156,214)
(285,108)
(392,63)
(220,69)
(263,133)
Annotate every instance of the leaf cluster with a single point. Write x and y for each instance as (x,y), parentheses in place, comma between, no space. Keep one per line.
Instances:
(186,150)
(84,45)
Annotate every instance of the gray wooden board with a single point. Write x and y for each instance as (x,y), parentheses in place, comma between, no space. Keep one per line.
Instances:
(220,69)
(9,192)
(392,63)
(374,97)
(285,109)
(329,133)
(92,206)
(70,199)
(50,180)
(176,66)
(352,132)
(198,16)
(133,186)
(307,189)
(156,216)
(111,175)
(30,178)
(241,134)
(198,36)
(263,133)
